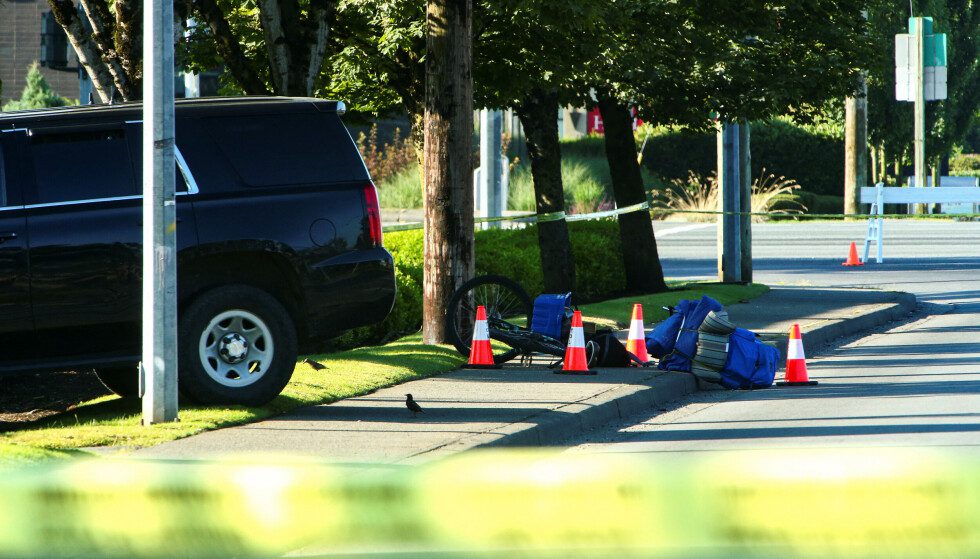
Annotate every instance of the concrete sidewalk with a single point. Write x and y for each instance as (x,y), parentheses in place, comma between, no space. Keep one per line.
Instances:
(517,406)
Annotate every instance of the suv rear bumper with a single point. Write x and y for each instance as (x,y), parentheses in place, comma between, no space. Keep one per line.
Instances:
(352,290)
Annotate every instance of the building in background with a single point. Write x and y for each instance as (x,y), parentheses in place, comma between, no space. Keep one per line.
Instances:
(21,25)
(29,33)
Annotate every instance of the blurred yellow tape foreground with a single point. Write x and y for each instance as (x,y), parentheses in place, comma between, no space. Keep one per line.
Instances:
(874,502)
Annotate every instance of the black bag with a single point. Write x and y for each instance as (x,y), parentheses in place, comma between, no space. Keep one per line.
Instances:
(608,351)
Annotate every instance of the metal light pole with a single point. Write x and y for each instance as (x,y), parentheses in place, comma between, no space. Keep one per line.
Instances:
(490,196)
(920,109)
(730,190)
(158,369)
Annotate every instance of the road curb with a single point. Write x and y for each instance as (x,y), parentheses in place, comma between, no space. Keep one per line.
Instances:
(555,426)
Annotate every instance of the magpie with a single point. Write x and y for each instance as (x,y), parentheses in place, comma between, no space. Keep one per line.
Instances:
(413,406)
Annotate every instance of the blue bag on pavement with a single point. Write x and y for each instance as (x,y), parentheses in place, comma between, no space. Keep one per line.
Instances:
(660,340)
(680,356)
(750,363)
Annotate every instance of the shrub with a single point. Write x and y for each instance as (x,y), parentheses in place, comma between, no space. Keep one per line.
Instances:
(965,164)
(401,190)
(389,159)
(700,194)
(508,252)
(814,157)
(37,93)
(585,178)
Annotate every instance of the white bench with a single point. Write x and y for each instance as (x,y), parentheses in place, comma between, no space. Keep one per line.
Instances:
(879,195)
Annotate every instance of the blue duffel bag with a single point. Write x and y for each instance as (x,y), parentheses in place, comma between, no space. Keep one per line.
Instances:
(680,356)
(750,363)
(660,340)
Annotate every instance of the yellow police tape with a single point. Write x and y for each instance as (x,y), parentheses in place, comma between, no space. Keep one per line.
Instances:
(662,211)
(854,503)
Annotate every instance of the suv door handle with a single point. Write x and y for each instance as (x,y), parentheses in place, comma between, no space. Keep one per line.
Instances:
(7,236)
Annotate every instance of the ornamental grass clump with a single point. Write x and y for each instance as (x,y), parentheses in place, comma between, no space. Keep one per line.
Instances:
(696,198)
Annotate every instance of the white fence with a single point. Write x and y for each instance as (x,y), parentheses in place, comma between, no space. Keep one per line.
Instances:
(879,195)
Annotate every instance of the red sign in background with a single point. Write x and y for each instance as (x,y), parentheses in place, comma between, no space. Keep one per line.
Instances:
(593,121)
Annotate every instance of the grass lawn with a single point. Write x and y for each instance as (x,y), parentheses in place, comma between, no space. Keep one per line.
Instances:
(112,422)
(617,312)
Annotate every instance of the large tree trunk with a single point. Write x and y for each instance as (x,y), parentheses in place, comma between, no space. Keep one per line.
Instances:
(296,43)
(538,113)
(640,259)
(230,50)
(448,201)
(88,52)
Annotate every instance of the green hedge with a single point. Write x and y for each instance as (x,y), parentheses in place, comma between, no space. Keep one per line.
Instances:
(965,164)
(813,159)
(507,252)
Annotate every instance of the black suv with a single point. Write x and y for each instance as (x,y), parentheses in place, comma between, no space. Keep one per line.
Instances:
(278,238)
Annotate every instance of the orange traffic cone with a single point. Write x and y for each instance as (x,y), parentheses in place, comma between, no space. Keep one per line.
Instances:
(636,343)
(852,256)
(481,354)
(575,360)
(796,361)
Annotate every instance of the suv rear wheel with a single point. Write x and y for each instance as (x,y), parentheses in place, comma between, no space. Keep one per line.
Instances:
(237,345)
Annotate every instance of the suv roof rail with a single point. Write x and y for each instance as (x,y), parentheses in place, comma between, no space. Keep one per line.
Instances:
(324,105)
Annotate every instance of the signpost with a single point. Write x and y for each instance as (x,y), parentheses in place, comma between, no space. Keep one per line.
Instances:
(158,369)
(920,76)
(730,200)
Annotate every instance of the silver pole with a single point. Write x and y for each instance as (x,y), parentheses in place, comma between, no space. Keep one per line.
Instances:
(920,109)
(729,188)
(159,366)
(490,199)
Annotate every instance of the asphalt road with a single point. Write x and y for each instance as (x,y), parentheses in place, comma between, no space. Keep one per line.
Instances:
(915,384)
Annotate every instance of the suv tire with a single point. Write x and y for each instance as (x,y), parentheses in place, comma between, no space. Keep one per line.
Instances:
(123,381)
(237,345)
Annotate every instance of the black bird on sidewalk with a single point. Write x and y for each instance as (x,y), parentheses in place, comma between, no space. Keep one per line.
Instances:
(413,406)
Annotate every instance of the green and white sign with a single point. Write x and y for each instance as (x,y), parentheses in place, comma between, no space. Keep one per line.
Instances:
(933,64)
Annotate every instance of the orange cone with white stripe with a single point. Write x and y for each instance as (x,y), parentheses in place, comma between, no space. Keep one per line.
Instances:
(481,354)
(795,361)
(576,362)
(636,343)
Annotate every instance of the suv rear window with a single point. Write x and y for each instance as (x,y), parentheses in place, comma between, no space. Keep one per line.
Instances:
(83,165)
(279,149)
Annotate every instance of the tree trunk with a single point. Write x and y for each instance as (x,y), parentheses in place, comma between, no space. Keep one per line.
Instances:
(230,50)
(88,53)
(538,113)
(640,259)
(448,200)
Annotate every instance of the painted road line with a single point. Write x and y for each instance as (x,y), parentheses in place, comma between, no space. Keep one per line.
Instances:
(684,229)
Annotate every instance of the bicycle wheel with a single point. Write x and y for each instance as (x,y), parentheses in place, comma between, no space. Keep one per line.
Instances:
(503,298)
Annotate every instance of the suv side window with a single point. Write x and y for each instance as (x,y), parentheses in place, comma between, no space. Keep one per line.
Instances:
(81,165)
(280,149)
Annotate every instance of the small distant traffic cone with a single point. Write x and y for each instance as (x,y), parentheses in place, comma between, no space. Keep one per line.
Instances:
(852,256)
(576,362)
(481,354)
(636,343)
(795,361)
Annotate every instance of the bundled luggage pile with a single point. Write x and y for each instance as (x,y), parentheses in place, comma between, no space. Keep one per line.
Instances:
(698,338)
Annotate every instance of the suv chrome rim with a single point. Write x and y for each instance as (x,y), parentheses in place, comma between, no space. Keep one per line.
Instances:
(236,348)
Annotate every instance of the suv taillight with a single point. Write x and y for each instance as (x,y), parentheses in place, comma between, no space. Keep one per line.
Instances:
(373,214)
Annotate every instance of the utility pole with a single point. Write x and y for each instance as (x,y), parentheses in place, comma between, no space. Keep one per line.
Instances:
(856,143)
(855,147)
(745,199)
(447,160)
(730,188)
(158,370)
